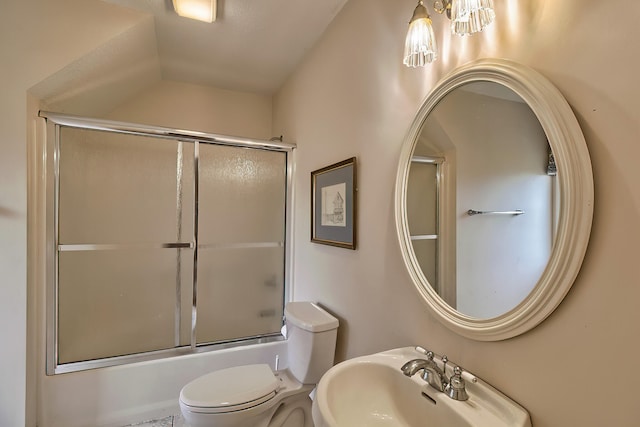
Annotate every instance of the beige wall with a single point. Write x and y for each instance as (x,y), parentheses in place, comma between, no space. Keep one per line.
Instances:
(205,109)
(38,37)
(352,97)
(501,159)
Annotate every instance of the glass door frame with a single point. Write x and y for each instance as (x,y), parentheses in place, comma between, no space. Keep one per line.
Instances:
(49,180)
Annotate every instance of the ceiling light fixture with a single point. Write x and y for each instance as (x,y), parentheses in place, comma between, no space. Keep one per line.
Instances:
(420,45)
(201,10)
(467,17)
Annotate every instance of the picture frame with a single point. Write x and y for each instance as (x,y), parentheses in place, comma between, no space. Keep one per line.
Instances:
(334,204)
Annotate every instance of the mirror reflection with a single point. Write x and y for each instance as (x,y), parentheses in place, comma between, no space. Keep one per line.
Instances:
(482,199)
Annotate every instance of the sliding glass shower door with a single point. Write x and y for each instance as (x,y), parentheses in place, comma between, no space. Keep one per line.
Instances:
(161,244)
(241,239)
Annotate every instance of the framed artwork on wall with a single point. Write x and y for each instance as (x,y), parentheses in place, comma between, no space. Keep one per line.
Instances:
(333,204)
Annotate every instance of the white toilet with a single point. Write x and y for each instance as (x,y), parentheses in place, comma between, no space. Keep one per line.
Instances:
(256,396)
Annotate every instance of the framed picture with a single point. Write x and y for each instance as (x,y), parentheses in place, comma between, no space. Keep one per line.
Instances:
(333,204)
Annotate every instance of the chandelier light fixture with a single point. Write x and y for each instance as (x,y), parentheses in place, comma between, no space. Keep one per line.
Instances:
(420,46)
(467,17)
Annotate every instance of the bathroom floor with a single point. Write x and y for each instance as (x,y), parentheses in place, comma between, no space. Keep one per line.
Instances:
(171,421)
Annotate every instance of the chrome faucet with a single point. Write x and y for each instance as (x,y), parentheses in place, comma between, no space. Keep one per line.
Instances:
(431,373)
(436,377)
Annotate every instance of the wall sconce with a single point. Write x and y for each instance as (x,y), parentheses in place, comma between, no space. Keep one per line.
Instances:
(201,10)
(467,17)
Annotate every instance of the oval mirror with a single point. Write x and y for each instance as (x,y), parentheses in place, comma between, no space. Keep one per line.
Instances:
(494,199)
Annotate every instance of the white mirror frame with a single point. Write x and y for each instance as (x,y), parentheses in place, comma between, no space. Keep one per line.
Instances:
(576,199)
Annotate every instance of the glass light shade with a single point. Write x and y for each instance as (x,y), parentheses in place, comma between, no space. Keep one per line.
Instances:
(420,46)
(471,16)
(201,10)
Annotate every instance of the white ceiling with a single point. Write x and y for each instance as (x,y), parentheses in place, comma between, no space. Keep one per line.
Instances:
(252,46)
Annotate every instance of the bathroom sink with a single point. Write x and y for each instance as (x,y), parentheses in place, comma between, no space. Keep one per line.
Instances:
(372,391)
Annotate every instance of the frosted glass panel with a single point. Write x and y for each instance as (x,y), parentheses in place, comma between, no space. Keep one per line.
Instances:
(242,202)
(422,198)
(118,188)
(426,253)
(113,303)
(240,293)
(120,289)
(242,195)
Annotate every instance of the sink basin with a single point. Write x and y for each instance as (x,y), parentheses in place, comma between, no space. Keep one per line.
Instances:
(371,391)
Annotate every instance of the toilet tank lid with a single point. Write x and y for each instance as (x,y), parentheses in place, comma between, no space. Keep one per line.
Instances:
(309,316)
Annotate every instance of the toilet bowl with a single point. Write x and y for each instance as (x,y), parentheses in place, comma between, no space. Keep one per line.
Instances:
(251,395)
(256,396)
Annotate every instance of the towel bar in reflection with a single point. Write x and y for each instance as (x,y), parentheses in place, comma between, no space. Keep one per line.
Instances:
(472,212)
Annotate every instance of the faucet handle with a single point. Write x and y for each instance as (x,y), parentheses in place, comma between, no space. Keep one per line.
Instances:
(456,387)
(421,349)
(429,355)
(457,374)
(445,360)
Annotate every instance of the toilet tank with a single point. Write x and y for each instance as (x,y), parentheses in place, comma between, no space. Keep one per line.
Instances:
(311,340)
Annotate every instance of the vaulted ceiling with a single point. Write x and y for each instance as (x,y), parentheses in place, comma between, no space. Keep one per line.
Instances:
(253,45)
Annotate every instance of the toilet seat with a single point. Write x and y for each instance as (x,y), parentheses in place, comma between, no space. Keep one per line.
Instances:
(230,390)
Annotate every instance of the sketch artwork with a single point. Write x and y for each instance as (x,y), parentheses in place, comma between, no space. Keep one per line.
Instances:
(333,205)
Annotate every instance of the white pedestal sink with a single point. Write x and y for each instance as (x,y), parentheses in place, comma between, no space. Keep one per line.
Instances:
(372,391)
